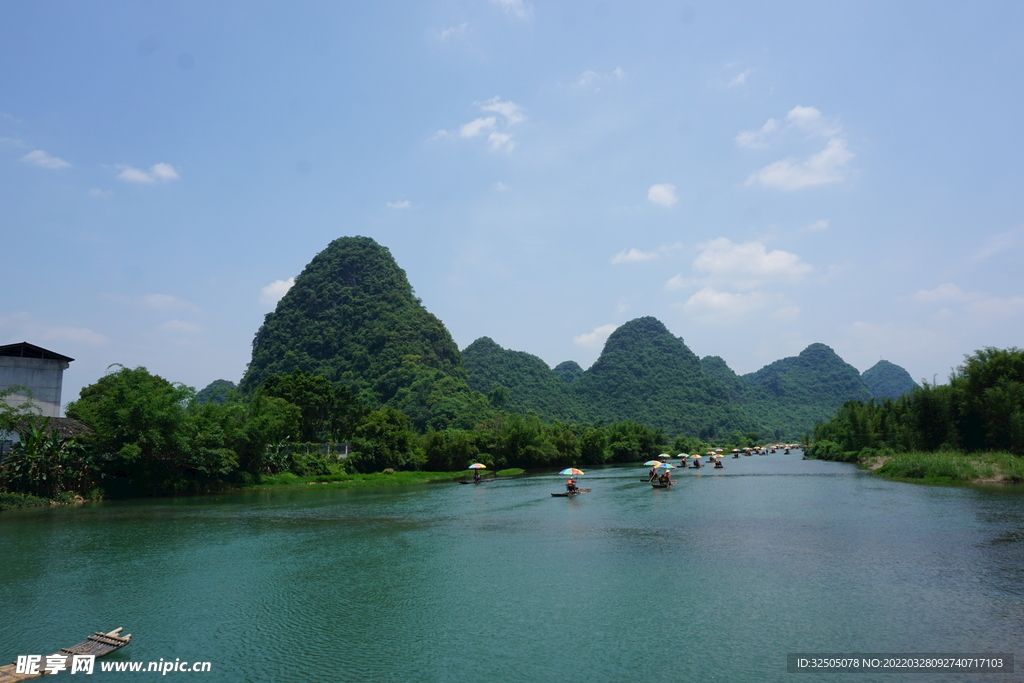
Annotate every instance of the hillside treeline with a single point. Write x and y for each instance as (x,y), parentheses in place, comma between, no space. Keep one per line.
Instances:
(149,436)
(980,409)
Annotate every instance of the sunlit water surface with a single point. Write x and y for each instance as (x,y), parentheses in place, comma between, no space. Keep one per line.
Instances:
(716,579)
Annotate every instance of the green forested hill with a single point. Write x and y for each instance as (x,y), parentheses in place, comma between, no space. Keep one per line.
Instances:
(569,371)
(888,380)
(794,393)
(531,384)
(352,317)
(216,391)
(648,375)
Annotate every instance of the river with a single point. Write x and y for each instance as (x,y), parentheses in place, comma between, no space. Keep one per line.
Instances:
(716,579)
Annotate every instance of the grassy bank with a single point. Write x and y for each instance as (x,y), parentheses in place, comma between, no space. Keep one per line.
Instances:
(13,501)
(346,480)
(944,467)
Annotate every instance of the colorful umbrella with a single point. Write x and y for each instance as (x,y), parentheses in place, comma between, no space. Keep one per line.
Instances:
(684,456)
(573,471)
(477,466)
(666,466)
(652,463)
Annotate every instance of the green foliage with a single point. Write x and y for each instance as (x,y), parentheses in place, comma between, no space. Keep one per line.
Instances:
(13,501)
(647,375)
(385,440)
(888,380)
(46,465)
(792,394)
(351,317)
(138,426)
(451,449)
(982,408)
(327,413)
(630,441)
(568,371)
(528,383)
(216,391)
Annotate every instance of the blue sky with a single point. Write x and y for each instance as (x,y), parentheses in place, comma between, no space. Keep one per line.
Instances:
(758,176)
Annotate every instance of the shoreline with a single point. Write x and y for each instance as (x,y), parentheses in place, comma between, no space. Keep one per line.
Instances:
(20,501)
(946,467)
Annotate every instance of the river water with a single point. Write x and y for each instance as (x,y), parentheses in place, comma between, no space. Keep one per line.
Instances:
(716,579)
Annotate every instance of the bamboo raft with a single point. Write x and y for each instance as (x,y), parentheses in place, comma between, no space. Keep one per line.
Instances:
(567,494)
(98,644)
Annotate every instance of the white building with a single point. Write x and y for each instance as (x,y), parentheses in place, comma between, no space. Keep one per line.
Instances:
(39,370)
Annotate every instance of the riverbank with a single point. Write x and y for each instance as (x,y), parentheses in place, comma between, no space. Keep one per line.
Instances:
(386,478)
(943,467)
(14,501)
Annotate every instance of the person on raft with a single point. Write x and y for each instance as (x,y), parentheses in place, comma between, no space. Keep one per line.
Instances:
(476,476)
(570,486)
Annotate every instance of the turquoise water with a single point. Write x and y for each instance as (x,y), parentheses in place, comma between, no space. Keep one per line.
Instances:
(716,579)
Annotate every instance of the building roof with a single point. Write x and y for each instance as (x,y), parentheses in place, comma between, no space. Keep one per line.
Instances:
(65,427)
(26,350)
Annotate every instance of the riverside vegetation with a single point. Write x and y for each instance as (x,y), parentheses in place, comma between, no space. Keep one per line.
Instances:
(350,358)
(971,429)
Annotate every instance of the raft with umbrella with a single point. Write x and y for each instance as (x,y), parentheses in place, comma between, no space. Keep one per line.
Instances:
(572,472)
(476,466)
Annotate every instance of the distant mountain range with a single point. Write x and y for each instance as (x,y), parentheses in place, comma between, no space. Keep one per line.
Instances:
(646,374)
(353,318)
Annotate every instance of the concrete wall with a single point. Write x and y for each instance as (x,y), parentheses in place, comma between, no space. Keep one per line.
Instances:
(43,377)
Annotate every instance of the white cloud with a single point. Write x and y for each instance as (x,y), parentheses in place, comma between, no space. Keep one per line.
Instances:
(663,194)
(757,138)
(595,338)
(996,244)
(740,79)
(23,325)
(97,192)
(823,168)
(498,139)
(454,31)
(596,78)
(512,112)
(500,142)
(501,187)
(43,160)
(748,265)
(166,301)
(800,121)
(180,326)
(477,126)
(162,172)
(810,120)
(12,142)
(272,293)
(819,225)
(947,292)
(678,282)
(403,204)
(714,307)
(634,256)
(515,7)
(991,309)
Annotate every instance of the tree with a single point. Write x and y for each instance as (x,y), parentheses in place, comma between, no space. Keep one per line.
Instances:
(137,422)
(385,440)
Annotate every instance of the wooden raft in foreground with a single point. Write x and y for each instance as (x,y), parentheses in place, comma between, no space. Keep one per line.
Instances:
(98,644)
